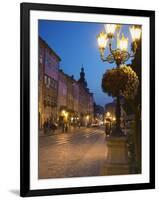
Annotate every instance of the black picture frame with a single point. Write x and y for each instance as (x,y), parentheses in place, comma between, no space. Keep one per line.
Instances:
(25,9)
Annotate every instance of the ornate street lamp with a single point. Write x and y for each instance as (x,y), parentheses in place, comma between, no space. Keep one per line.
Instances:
(119,56)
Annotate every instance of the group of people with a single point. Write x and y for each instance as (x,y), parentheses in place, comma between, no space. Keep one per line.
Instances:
(49,126)
(64,125)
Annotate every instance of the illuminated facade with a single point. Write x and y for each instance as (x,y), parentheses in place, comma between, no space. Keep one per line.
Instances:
(48,83)
(60,92)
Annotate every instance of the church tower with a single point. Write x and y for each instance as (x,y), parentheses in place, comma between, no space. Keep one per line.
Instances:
(82,78)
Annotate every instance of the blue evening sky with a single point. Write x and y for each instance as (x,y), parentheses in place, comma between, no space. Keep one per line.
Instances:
(76,44)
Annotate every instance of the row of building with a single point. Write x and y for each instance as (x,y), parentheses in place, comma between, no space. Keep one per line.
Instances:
(60,93)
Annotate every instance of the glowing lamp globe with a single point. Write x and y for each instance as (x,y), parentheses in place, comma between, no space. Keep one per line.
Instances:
(110,30)
(102,40)
(135,33)
(123,43)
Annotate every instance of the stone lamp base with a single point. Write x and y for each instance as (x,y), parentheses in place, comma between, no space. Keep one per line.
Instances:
(117,157)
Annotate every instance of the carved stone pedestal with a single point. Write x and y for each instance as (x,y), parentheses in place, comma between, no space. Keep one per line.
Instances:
(117,157)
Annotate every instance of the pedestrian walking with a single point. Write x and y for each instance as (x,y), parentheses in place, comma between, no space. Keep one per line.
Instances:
(107,129)
(46,126)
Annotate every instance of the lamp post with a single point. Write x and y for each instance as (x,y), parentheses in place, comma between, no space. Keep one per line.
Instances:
(119,56)
(108,123)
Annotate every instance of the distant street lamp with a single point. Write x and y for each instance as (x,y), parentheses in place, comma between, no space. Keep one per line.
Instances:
(109,120)
(119,56)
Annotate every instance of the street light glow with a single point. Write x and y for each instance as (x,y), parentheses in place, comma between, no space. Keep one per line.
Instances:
(63,112)
(122,43)
(108,114)
(102,40)
(66,114)
(110,29)
(135,33)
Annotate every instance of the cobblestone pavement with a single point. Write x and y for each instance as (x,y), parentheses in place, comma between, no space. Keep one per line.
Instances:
(80,152)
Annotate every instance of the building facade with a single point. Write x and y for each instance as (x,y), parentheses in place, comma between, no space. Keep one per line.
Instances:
(70,94)
(59,93)
(86,100)
(98,112)
(62,91)
(48,82)
(76,97)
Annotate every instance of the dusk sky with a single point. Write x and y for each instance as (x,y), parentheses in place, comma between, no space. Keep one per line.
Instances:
(76,44)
